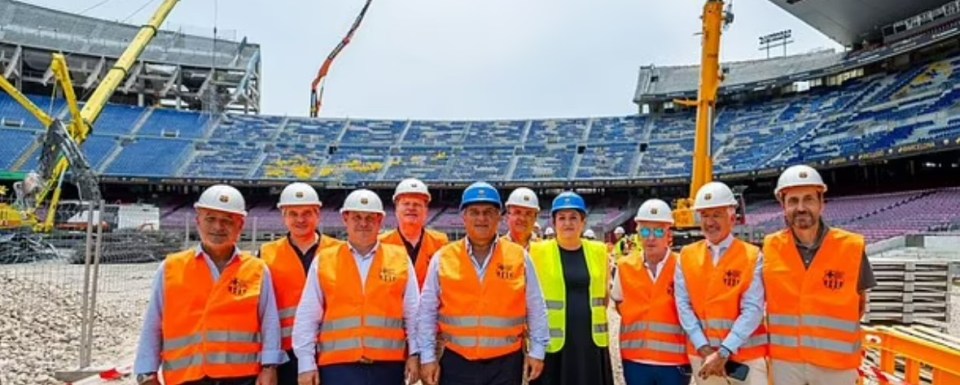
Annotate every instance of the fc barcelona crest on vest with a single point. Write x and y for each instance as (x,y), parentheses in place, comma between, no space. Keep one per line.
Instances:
(731,278)
(670,288)
(388,275)
(237,287)
(505,271)
(833,279)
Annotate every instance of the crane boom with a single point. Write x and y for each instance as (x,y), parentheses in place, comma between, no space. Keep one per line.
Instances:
(714,20)
(316,98)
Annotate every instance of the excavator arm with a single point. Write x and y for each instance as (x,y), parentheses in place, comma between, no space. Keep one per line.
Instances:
(316,98)
(61,146)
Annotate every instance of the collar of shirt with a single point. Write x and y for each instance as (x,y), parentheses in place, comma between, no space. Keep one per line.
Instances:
(200,252)
(659,267)
(359,257)
(486,258)
(718,249)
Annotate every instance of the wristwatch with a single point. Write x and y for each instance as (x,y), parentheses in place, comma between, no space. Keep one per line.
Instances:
(144,377)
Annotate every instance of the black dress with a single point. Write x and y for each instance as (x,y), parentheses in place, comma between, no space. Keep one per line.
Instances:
(580,361)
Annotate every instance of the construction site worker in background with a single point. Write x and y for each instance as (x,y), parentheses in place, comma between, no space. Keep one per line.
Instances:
(589,234)
(549,233)
(537,232)
(356,319)
(522,210)
(816,278)
(653,345)
(719,293)
(411,199)
(620,246)
(289,259)
(574,276)
(481,296)
(212,318)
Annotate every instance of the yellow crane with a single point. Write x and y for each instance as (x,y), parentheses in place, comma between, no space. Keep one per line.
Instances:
(61,147)
(715,18)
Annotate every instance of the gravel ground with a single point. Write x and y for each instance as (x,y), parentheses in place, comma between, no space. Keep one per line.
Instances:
(40,317)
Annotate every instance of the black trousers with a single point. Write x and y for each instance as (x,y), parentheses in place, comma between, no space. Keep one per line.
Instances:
(287,373)
(503,370)
(377,373)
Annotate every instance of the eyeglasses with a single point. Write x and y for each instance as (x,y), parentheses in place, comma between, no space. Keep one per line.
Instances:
(657,233)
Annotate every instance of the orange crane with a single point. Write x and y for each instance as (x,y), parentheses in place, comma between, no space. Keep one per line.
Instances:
(316,98)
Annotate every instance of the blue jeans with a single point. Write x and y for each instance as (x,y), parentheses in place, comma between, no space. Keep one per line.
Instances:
(643,374)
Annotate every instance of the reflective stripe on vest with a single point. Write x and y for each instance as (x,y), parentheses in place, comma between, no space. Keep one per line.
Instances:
(482,319)
(650,329)
(362,321)
(546,259)
(212,328)
(289,278)
(717,290)
(814,311)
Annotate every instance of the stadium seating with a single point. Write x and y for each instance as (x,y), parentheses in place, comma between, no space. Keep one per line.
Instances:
(426,163)
(305,130)
(247,127)
(117,119)
(608,161)
(557,131)
(227,159)
(175,124)
(150,157)
(352,164)
(15,140)
(544,162)
(291,160)
(495,132)
(618,129)
(373,131)
(480,163)
(434,132)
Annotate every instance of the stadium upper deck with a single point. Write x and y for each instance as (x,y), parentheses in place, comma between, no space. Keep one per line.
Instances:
(174,69)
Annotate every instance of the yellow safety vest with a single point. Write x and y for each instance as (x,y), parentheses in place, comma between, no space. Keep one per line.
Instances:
(546,261)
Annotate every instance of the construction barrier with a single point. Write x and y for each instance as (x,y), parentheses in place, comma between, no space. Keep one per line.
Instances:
(909,356)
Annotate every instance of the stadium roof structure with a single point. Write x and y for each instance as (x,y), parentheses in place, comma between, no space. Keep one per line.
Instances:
(850,22)
(175,66)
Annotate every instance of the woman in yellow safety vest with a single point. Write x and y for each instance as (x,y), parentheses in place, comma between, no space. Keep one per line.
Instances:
(574,276)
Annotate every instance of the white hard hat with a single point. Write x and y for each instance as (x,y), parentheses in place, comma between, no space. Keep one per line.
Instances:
(548,231)
(619,230)
(363,201)
(799,175)
(589,234)
(714,194)
(523,197)
(221,197)
(411,186)
(299,194)
(654,210)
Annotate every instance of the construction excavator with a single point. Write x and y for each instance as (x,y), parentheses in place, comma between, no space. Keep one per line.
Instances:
(893,355)
(60,152)
(316,95)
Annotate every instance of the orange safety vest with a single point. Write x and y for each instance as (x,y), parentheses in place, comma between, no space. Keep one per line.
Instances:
(650,327)
(288,280)
(210,329)
(814,314)
(482,320)
(432,242)
(716,292)
(362,322)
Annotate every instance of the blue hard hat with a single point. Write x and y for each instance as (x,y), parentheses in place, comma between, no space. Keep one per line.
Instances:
(480,192)
(568,201)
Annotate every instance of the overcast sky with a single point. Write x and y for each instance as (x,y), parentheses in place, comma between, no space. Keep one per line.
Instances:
(460,59)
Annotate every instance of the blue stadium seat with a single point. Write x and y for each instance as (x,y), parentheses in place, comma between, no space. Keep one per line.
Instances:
(117,119)
(223,159)
(557,131)
(608,161)
(15,142)
(434,132)
(425,163)
(373,131)
(154,157)
(247,127)
(544,162)
(480,163)
(175,124)
(495,132)
(306,130)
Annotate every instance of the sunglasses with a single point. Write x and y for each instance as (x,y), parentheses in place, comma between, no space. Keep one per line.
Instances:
(657,233)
